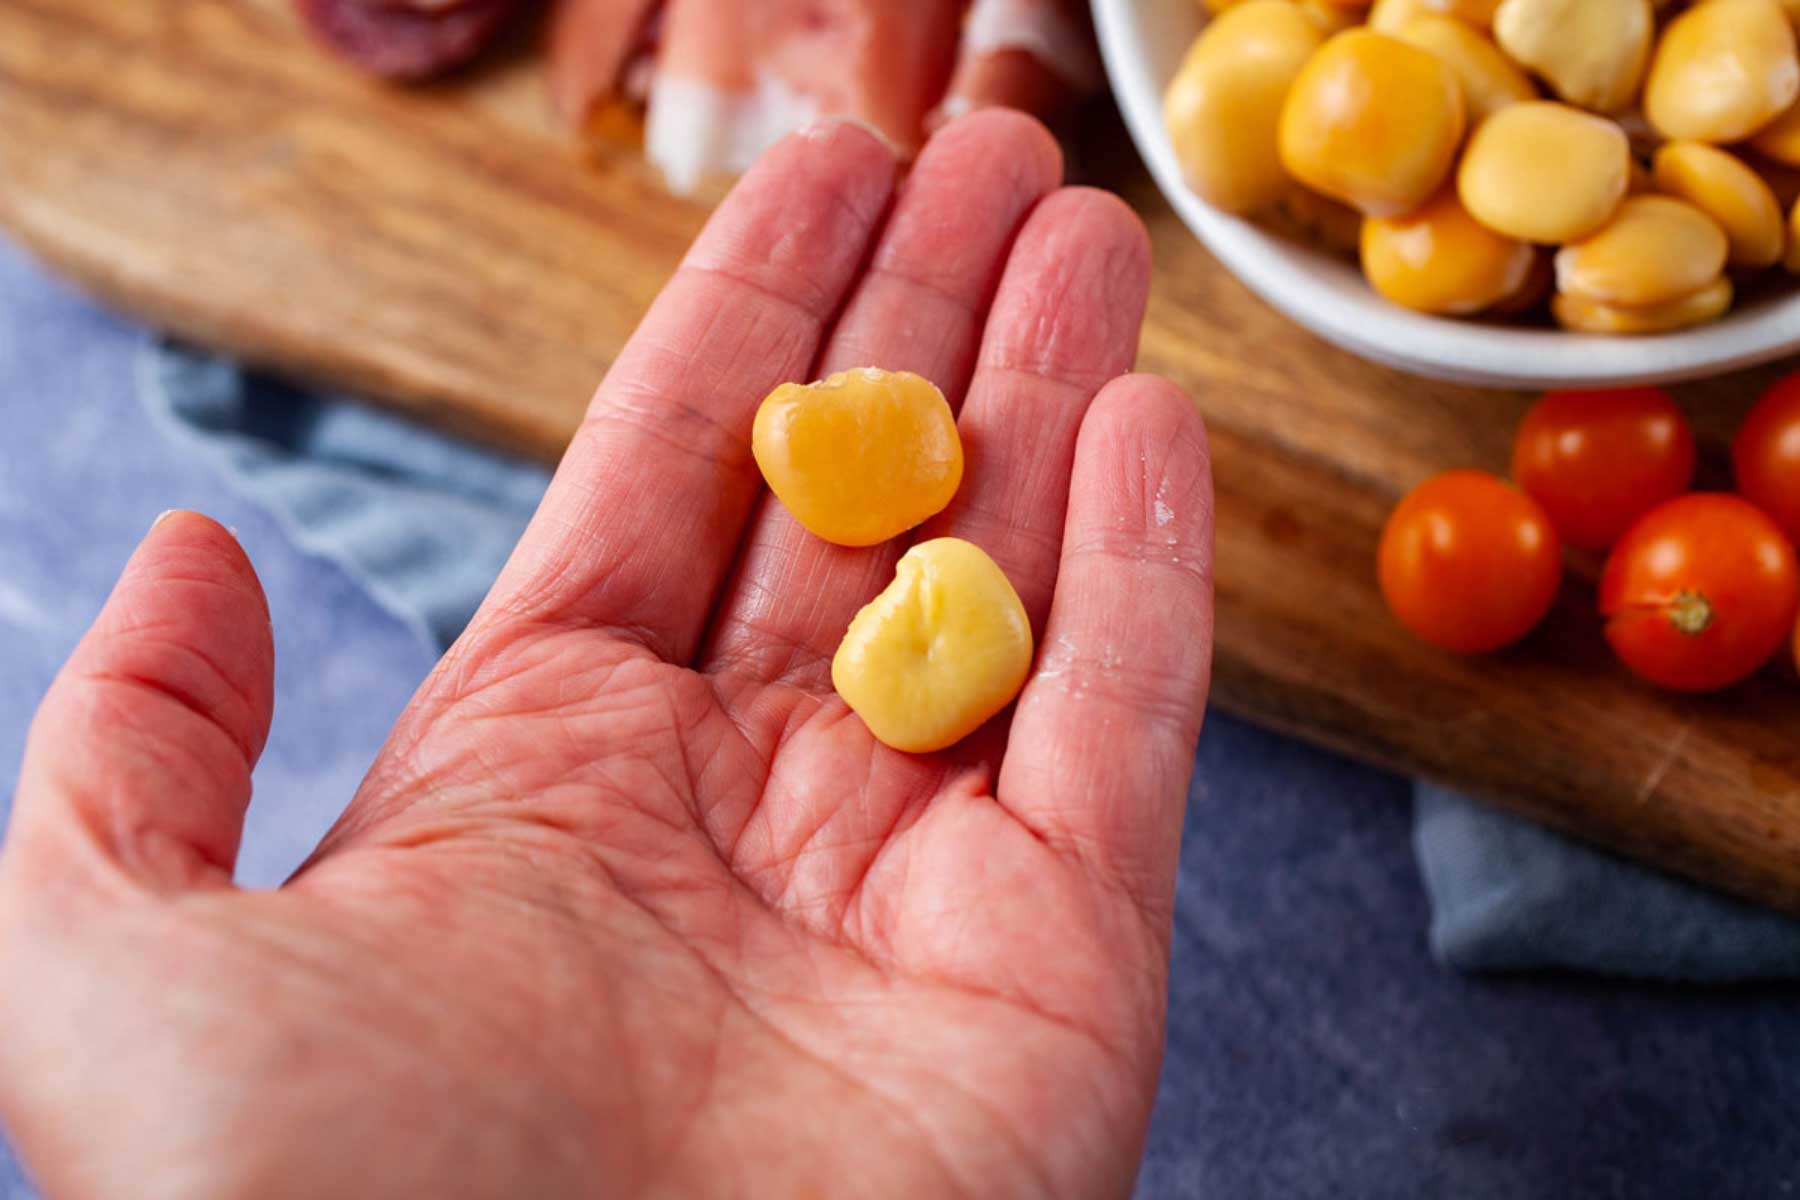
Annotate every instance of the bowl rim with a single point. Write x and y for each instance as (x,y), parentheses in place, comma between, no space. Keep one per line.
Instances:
(1285,275)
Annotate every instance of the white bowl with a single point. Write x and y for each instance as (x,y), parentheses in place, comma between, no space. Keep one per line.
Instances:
(1143,41)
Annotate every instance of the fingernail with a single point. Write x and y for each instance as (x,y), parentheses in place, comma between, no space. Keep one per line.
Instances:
(164,515)
(823,128)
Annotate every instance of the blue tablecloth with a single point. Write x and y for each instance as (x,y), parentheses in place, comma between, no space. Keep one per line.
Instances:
(1315,1048)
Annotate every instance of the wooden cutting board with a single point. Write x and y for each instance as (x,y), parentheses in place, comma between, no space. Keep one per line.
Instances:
(443,249)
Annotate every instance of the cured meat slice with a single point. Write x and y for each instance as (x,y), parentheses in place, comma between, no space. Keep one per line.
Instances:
(1038,55)
(733,76)
(406,42)
(594,47)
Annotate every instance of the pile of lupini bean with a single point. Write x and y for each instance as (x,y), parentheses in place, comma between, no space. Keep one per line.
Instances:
(1632,163)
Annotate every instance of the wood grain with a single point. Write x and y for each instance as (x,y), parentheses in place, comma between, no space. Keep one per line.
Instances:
(444,250)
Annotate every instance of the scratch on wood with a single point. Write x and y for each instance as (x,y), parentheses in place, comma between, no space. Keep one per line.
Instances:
(1661,770)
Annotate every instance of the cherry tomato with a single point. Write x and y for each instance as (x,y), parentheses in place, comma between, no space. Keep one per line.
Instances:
(1766,454)
(1597,461)
(1700,593)
(1469,563)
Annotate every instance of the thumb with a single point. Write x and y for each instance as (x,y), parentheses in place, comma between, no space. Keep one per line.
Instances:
(139,758)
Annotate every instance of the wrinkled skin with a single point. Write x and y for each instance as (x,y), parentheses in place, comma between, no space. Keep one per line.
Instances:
(630,903)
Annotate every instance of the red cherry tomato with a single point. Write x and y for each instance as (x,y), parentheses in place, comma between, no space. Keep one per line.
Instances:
(1766,454)
(1597,461)
(1469,563)
(1700,593)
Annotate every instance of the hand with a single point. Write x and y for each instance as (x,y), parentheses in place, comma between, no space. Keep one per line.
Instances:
(630,903)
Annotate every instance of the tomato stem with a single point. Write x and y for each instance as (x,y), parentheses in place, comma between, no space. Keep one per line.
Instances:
(1690,613)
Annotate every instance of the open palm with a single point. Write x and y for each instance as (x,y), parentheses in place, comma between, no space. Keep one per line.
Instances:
(630,903)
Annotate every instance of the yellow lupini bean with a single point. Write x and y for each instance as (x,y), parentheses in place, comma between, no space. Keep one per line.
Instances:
(1591,52)
(1373,122)
(1545,172)
(1656,250)
(1780,138)
(1723,70)
(1479,156)
(1223,108)
(1441,260)
(1390,16)
(1590,316)
(1489,79)
(1330,18)
(945,646)
(861,456)
(1734,196)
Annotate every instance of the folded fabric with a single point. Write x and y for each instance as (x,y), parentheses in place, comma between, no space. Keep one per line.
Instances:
(1508,895)
(422,520)
(425,522)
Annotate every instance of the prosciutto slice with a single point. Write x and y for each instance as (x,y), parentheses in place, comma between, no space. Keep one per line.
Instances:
(719,80)
(732,76)
(1038,55)
(600,51)
(406,39)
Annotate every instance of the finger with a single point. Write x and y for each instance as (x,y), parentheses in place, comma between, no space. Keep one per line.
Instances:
(143,748)
(645,513)
(920,308)
(1065,321)
(1102,743)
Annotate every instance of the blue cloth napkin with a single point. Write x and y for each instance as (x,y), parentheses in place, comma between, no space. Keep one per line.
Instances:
(424,522)
(1508,895)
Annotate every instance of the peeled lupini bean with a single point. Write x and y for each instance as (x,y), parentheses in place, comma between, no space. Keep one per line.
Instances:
(1592,52)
